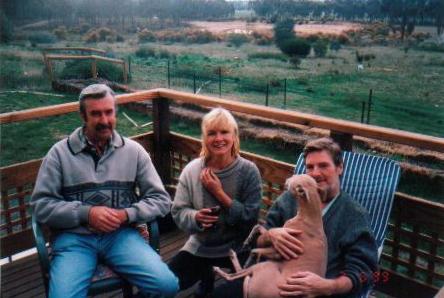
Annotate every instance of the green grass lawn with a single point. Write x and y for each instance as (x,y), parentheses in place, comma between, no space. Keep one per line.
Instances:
(407,91)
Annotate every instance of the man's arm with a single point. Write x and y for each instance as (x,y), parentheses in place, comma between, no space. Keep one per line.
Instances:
(47,201)
(309,284)
(154,199)
(284,240)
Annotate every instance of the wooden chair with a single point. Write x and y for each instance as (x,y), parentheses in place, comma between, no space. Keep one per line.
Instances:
(104,279)
(372,182)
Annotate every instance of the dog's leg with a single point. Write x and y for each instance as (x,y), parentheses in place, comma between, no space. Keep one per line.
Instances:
(246,284)
(257,229)
(232,276)
(235,261)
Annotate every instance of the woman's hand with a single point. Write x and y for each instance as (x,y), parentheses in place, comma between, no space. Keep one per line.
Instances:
(211,182)
(205,219)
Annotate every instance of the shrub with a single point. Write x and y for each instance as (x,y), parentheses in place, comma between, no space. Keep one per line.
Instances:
(164,54)
(101,34)
(6,28)
(265,36)
(431,47)
(60,32)
(295,47)
(171,36)
(199,36)
(283,31)
(145,52)
(237,39)
(11,71)
(320,47)
(42,37)
(146,36)
(82,70)
(335,45)
(268,55)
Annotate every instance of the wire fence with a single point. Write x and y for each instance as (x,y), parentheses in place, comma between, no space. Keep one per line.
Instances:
(366,106)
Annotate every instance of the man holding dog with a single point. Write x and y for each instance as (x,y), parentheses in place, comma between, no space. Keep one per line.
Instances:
(91,188)
(352,250)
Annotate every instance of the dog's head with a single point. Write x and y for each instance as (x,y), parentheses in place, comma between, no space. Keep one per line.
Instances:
(302,186)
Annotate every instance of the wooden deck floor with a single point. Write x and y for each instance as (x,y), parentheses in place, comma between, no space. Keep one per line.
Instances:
(23,278)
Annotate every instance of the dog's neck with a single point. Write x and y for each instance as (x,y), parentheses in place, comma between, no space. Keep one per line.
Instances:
(310,209)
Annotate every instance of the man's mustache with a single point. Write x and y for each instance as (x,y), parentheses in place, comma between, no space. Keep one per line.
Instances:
(103,126)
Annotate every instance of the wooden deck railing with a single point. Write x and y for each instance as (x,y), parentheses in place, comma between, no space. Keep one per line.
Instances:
(413,257)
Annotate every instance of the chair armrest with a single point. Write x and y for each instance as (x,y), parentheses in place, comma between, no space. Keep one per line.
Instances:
(40,243)
(153,229)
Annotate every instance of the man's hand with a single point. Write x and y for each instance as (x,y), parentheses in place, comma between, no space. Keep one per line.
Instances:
(306,284)
(205,219)
(285,241)
(105,219)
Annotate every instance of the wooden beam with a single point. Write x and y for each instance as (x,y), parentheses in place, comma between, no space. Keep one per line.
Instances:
(74,49)
(70,107)
(83,57)
(162,143)
(341,126)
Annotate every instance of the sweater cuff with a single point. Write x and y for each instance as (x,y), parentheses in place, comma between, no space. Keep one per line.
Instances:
(84,213)
(196,226)
(234,212)
(132,214)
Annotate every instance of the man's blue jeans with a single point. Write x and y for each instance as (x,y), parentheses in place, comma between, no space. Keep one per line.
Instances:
(75,257)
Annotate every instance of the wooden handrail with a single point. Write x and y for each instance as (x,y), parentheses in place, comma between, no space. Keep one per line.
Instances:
(83,57)
(343,126)
(74,49)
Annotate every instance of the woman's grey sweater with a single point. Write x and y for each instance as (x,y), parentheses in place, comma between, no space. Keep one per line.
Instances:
(241,181)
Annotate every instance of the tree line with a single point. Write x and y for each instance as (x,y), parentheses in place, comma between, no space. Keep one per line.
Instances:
(71,11)
(403,13)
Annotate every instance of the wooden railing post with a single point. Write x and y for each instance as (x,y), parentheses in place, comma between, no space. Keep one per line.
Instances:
(94,68)
(161,121)
(125,72)
(345,140)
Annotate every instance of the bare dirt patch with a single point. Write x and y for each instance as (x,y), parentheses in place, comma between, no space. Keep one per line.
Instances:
(336,28)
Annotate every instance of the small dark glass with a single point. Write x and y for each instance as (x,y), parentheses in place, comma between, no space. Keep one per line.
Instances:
(215,210)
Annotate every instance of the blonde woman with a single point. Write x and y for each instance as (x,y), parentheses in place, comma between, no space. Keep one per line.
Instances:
(216,202)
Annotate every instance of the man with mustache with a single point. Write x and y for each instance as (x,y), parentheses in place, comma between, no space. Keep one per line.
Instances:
(86,193)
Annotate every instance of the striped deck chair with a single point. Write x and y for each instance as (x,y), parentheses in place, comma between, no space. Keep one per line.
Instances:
(372,181)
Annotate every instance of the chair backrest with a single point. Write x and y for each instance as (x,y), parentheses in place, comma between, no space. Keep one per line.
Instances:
(372,181)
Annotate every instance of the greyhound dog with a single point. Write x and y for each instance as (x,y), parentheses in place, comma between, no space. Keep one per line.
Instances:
(262,279)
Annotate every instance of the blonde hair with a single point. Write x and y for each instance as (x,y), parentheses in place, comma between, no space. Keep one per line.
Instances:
(219,118)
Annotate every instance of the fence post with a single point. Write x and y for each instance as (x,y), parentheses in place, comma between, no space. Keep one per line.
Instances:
(125,72)
(162,141)
(362,111)
(129,66)
(50,72)
(94,68)
(168,74)
(266,95)
(369,105)
(194,82)
(285,93)
(220,81)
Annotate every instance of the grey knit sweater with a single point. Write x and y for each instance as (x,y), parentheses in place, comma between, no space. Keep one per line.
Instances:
(241,181)
(71,181)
